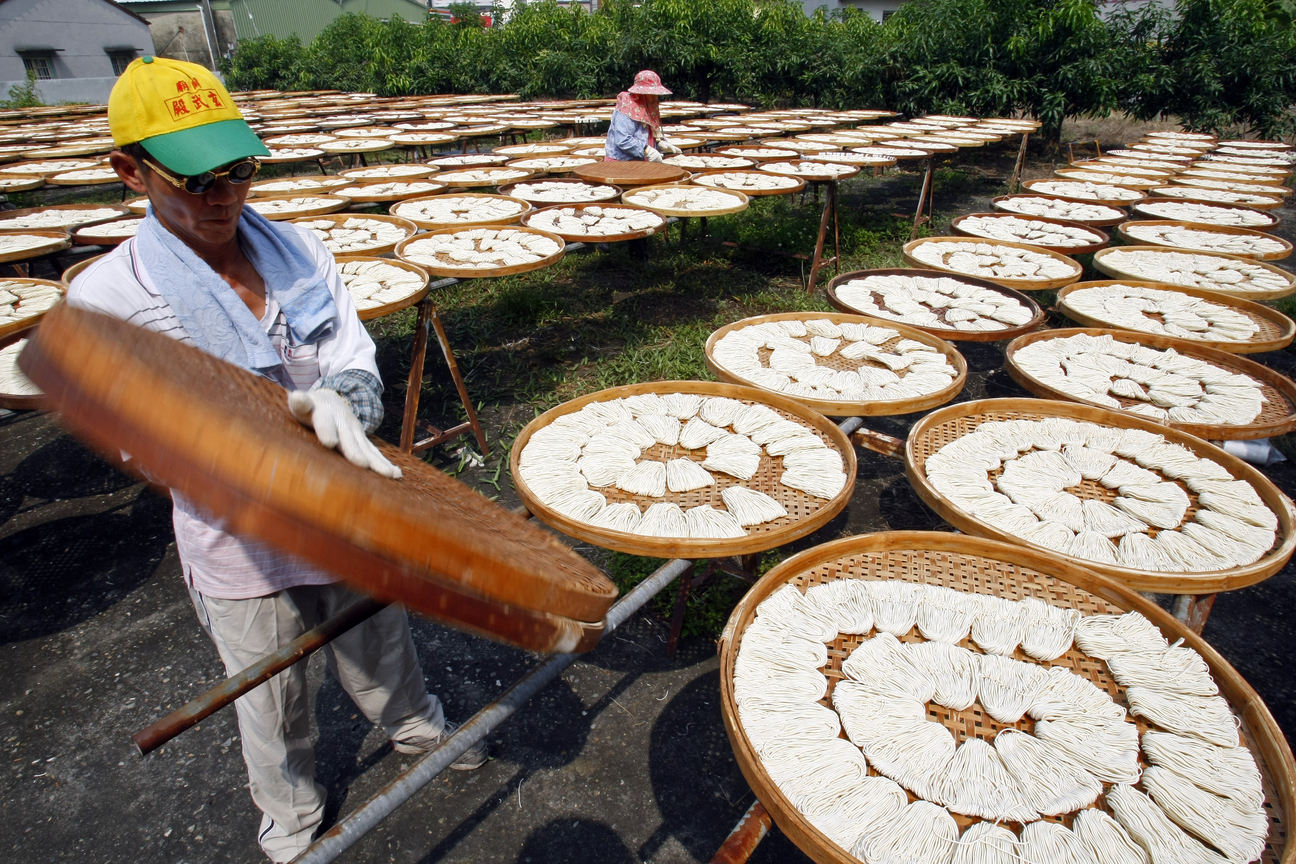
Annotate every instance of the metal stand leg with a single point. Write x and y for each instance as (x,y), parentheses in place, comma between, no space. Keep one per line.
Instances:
(745,837)
(919,218)
(1021,163)
(428,317)
(830,209)
(1193,610)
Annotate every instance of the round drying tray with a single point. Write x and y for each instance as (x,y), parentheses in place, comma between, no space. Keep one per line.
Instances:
(1276,329)
(385,192)
(748,182)
(1263,219)
(38,296)
(955,227)
(1278,416)
(28,243)
(368,265)
(806,513)
(809,170)
(107,233)
(278,187)
(67,216)
(1037,312)
(407,250)
(1122,201)
(531,191)
(1276,255)
(76,269)
(282,207)
(634,196)
(343,146)
(10,347)
(952,422)
(283,155)
(562,163)
(974,565)
(411,207)
(844,408)
(1216,196)
(340,220)
(476,176)
(1021,284)
(547,213)
(625,174)
(21,184)
(1107,216)
(1102,262)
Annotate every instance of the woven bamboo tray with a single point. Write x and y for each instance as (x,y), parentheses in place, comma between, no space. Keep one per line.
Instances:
(686,214)
(848,409)
(1214,229)
(491,273)
(955,227)
(954,421)
(1129,181)
(520,191)
(494,176)
(596,238)
(343,146)
(21,184)
(748,151)
(56,239)
(7,217)
(7,330)
(413,298)
(320,184)
(326,204)
(1276,189)
(978,566)
(625,174)
(1008,282)
(358,195)
(770,168)
(1196,193)
(1101,264)
(806,513)
(1029,185)
(15,401)
(1097,223)
(405,225)
(1276,329)
(1272,217)
(83,237)
(702,180)
(224,438)
(1277,418)
(429,225)
(291,154)
(951,334)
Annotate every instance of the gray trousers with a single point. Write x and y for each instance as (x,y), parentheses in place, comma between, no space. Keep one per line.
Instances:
(375,663)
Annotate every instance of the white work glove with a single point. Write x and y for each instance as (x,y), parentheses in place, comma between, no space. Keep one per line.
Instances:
(337,428)
(652,154)
(668,148)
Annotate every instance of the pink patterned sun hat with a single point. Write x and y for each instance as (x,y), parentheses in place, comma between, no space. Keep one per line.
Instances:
(649,81)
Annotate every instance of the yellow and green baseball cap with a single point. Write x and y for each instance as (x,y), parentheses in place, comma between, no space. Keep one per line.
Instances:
(181,114)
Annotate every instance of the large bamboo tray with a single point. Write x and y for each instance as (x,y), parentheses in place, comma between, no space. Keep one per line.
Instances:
(841,408)
(626,174)
(358,195)
(314,184)
(1110,202)
(710,178)
(411,299)
(1276,329)
(957,229)
(8,217)
(520,191)
(106,233)
(495,176)
(324,205)
(17,401)
(1214,229)
(743,201)
(996,203)
(283,155)
(1277,418)
(9,185)
(1009,282)
(978,566)
(1197,193)
(806,513)
(596,238)
(56,239)
(30,321)
(224,438)
(954,421)
(405,225)
(429,225)
(1101,264)
(951,334)
(474,273)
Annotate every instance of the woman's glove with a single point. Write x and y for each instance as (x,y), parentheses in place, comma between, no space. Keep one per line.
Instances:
(668,148)
(337,428)
(652,154)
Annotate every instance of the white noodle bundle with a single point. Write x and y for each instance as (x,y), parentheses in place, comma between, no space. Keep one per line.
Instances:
(1104,636)
(663,519)
(750,507)
(813,480)
(871,801)
(1047,629)
(997,627)
(646,478)
(884,659)
(721,411)
(1008,687)
(755,417)
(1227,771)
(645,405)
(1240,834)
(624,517)
(953,671)
(699,433)
(1204,716)
(707,523)
(869,716)
(1051,843)
(1050,780)
(735,455)
(1106,748)
(604,470)
(682,406)
(978,784)
(579,504)
(1067,695)
(1163,840)
(1106,839)
(846,604)
(945,615)
(895,606)
(921,833)
(665,429)
(685,475)
(987,843)
(1177,670)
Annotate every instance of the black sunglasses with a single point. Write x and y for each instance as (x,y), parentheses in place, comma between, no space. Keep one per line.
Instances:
(239,172)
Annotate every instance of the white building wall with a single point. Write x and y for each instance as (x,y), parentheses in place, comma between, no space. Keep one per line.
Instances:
(876,8)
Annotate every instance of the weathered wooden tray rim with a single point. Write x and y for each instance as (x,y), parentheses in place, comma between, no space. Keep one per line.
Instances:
(1232,362)
(1280,189)
(13,401)
(957,229)
(59,239)
(1275,756)
(1274,218)
(395,196)
(673,547)
(27,211)
(906,253)
(1139,580)
(951,335)
(1137,182)
(404,224)
(1107,202)
(1100,263)
(1100,223)
(24,324)
(590,174)
(597,238)
(473,273)
(1158,192)
(750,193)
(427,225)
(1255,310)
(395,305)
(809,178)
(510,191)
(255,193)
(686,214)
(336,203)
(80,239)
(1214,229)
(848,409)
(488,182)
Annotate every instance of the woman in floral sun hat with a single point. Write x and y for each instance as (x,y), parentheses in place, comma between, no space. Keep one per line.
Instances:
(636,134)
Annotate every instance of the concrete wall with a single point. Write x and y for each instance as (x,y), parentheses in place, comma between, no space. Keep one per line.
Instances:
(191,45)
(81,30)
(876,8)
(306,18)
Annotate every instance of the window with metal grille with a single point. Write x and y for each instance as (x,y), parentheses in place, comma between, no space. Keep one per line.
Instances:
(39,65)
(120,61)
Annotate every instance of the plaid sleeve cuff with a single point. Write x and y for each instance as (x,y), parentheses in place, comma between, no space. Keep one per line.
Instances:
(362,390)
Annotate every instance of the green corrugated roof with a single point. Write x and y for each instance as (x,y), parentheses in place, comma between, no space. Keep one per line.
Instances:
(307,18)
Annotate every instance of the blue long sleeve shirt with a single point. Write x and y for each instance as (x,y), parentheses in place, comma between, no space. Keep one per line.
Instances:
(627,140)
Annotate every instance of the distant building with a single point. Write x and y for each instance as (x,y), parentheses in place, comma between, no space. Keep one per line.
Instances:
(879,9)
(306,18)
(75,48)
(182,31)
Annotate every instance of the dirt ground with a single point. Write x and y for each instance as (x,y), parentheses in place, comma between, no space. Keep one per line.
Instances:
(624,759)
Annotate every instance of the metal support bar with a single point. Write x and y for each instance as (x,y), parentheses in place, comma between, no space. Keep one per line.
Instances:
(1194,609)
(154,736)
(745,836)
(361,821)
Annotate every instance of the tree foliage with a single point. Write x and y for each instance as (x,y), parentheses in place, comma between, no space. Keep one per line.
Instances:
(1214,63)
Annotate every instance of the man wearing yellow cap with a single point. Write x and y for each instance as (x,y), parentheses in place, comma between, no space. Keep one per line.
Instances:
(265,296)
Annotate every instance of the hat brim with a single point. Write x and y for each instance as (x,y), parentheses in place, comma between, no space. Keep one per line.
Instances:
(205,148)
(651,90)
